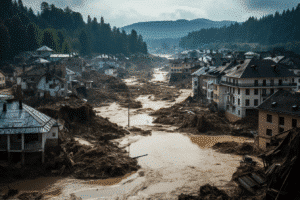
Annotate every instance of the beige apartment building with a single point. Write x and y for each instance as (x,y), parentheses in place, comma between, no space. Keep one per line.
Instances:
(279,113)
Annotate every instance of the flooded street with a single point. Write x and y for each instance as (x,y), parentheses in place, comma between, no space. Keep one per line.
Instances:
(175,163)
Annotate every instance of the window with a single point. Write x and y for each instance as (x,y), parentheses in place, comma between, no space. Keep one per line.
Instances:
(233,90)
(281,130)
(280,82)
(264,91)
(269,132)
(293,80)
(239,91)
(294,123)
(272,82)
(239,112)
(227,107)
(239,101)
(233,109)
(233,100)
(281,120)
(54,134)
(256,83)
(272,91)
(247,102)
(264,82)
(247,92)
(269,118)
(255,91)
(255,102)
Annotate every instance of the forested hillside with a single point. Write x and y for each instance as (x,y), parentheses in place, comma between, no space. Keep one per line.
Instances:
(280,28)
(62,30)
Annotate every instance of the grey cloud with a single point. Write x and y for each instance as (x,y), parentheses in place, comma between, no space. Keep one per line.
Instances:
(270,5)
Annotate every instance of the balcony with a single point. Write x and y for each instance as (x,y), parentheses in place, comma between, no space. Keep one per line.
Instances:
(33,146)
(252,85)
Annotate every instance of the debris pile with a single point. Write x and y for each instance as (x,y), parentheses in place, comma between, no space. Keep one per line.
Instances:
(236,148)
(102,160)
(191,119)
(140,131)
(81,120)
(160,90)
(206,192)
(282,166)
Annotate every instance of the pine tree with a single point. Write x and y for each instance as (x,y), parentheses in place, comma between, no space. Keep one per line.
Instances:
(4,42)
(65,48)
(48,40)
(61,39)
(6,9)
(32,34)
(84,44)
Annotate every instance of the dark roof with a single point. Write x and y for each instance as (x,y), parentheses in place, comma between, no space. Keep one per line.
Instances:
(282,101)
(256,68)
(292,63)
(26,120)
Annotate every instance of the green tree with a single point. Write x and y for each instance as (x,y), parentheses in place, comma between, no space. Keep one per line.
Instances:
(4,42)
(6,9)
(133,47)
(32,35)
(48,40)
(61,39)
(65,48)
(84,44)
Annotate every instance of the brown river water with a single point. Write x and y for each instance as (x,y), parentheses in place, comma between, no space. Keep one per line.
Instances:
(175,163)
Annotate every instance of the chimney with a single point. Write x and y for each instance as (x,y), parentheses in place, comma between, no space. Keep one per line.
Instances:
(20,105)
(4,107)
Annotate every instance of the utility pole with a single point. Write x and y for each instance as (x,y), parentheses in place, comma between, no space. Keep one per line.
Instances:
(128,108)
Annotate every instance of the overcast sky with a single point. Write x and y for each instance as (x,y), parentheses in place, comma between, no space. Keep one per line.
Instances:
(120,13)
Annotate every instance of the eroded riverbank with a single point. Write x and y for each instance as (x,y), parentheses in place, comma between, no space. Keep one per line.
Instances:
(175,163)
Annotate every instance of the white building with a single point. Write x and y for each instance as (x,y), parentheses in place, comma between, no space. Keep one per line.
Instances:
(250,83)
(24,129)
(52,84)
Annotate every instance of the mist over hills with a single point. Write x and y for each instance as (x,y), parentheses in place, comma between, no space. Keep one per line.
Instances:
(173,29)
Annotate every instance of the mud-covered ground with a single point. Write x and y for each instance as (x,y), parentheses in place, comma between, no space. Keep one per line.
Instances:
(172,162)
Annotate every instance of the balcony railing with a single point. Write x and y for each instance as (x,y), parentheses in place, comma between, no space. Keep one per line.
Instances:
(16,146)
(33,146)
(3,145)
(259,85)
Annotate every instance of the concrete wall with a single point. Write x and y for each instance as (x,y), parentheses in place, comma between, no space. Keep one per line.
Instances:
(45,86)
(274,126)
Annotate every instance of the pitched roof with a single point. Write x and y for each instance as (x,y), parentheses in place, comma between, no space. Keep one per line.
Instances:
(41,61)
(26,120)
(284,102)
(44,48)
(255,68)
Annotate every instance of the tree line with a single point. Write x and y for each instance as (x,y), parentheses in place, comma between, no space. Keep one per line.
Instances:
(63,30)
(278,28)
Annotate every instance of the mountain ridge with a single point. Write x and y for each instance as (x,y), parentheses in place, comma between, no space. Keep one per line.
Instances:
(173,29)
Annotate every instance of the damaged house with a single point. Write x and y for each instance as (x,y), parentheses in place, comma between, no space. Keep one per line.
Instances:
(42,81)
(24,130)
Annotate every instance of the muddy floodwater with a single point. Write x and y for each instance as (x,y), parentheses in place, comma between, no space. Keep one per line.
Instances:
(175,163)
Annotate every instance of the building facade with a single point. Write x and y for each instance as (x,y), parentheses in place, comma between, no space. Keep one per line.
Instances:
(25,130)
(278,114)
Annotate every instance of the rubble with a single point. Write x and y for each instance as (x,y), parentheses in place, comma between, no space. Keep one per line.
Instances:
(206,192)
(192,119)
(245,148)
(140,131)
(103,160)
(30,196)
